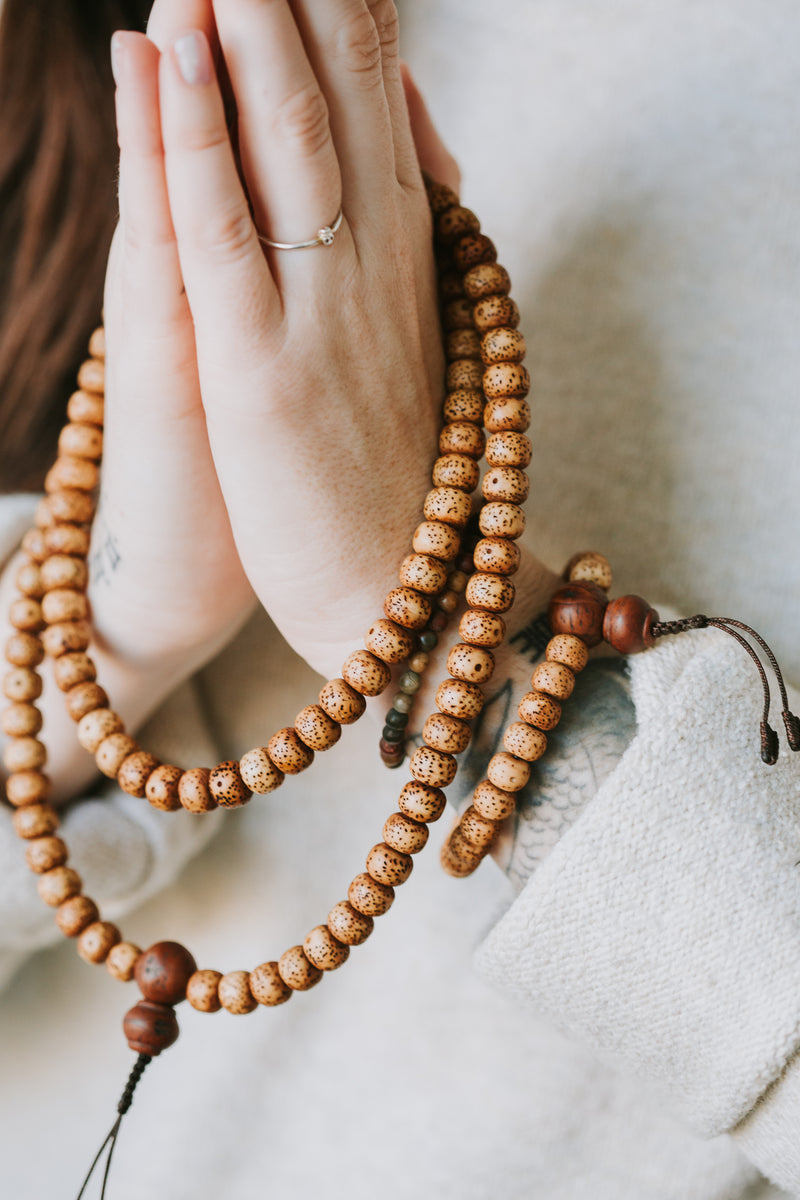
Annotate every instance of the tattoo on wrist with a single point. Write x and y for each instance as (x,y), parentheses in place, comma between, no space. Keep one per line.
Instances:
(532,639)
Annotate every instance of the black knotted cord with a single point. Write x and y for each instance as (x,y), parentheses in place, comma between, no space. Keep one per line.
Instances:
(125,1101)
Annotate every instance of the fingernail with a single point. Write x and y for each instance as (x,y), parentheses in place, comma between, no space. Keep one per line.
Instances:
(116,57)
(193,57)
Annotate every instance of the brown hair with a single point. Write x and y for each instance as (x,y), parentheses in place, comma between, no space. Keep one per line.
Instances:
(58,207)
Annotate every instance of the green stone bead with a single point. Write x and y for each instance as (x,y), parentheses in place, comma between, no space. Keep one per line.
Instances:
(396,720)
(409,682)
(402,702)
(428,640)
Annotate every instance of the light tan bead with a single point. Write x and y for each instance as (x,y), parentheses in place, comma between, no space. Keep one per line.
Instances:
(193,791)
(341,701)
(85,698)
(440,197)
(419,662)
(498,556)
(462,343)
(24,754)
(450,505)
(432,767)
(366,673)
(506,379)
(316,729)
(267,986)
(457,314)
(524,741)
(491,593)
(589,567)
(388,641)
(234,993)
(505,483)
(227,786)
(456,470)
(28,580)
(388,866)
(567,649)
(324,950)
(421,802)
(509,412)
(458,698)
(85,406)
(443,732)
(436,539)
(97,342)
(24,650)
(27,787)
(202,991)
(26,614)
(486,279)
(507,772)
(482,628)
(478,831)
(498,519)
(463,404)
(369,897)
(553,678)
(259,772)
(289,753)
(67,539)
(21,720)
(473,664)
(112,752)
(473,248)
(22,684)
(43,516)
(75,914)
(404,834)
(424,573)
(66,637)
(508,449)
(539,709)
(91,376)
(122,960)
(407,607)
(81,441)
(492,802)
(64,604)
(71,505)
(502,344)
(161,788)
(296,971)
(44,853)
(464,373)
(348,925)
(64,571)
(35,820)
(33,543)
(71,669)
(57,885)
(455,222)
(96,726)
(71,472)
(458,857)
(135,771)
(462,437)
(97,940)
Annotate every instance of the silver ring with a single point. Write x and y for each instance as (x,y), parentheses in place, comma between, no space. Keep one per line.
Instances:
(324,238)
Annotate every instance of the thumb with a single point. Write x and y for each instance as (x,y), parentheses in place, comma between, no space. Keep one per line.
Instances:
(434,157)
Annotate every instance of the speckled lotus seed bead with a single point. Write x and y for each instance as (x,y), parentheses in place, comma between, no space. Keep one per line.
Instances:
(193,791)
(462,437)
(63,571)
(463,404)
(97,725)
(71,669)
(347,925)
(227,786)
(135,771)
(495,312)
(464,373)
(81,440)
(432,766)
(404,834)
(502,344)
(316,729)
(443,732)
(539,709)
(121,961)
(21,684)
(296,971)
(421,801)
(473,664)
(455,222)
(28,580)
(24,754)
(473,248)
(324,950)
(234,993)
(202,991)
(553,678)
(96,941)
(34,545)
(388,866)
(507,772)
(482,628)
(56,886)
(388,641)
(67,539)
(524,741)
(26,614)
(24,650)
(161,788)
(259,772)
(91,376)
(97,342)
(288,752)
(85,407)
(112,752)
(458,857)
(437,539)
(407,607)
(27,787)
(65,637)
(440,196)
(69,471)
(424,573)
(71,505)
(506,379)
(491,593)
(589,567)
(478,830)
(462,343)
(44,853)
(508,449)
(567,649)
(492,802)
(369,897)
(486,279)
(21,720)
(450,505)
(507,413)
(64,604)
(450,286)
(457,314)
(364,672)
(505,483)
(75,914)
(267,986)
(341,702)
(458,698)
(35,820)
(456,470)
(498,519)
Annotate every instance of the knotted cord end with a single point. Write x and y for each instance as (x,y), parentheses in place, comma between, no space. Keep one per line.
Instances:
(792,724)
(769,744)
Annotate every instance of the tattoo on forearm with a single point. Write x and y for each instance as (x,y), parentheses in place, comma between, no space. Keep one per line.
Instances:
(105,557)
(531,640)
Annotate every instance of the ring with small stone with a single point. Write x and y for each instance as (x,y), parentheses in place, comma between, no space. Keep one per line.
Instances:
(324,237)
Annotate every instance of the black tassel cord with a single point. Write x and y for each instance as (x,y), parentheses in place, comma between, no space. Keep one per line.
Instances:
(125,1101)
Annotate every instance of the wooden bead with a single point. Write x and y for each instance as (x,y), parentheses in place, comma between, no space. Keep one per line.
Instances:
(437,539)
(498,519)
(464,373)
(432,767)
(75,914)
(473,664)
(524,741)
(288,752)
(97,343)
(121,961)
(473,248)
(63,571)
(450,505)
(21,720)
(150,1028)
(341,702)
(323,950)
(71,505)
(491,593)
(27,787)
(508,449)
(193,791)
(71,472)
(553,678)
(43,516)
(388,866)
(454,222)
(234,993)
(71,669)
(35,820)
(65,637)
(64,604)
(578,608)
(486,279)
(388,641)
(456,470)
(482,628)
(259,772)
(506,379)
(457,314)
(202,991)
(421,802)
(296,971)
(366,673)
(72,540)
(567,649)
(479,831)
(458,857)
(24,650)
(349,926)
(404,834)
(96,941)
(97,725)
(135,771)
(85,406)
(29,580)
(462,343)
(492,802)
(112,752)
(226,784)
(163,971)
(443,732)
(450,286)
(24,754)
(509,412)
(495,312)
(440,196)
(80,440)
(33,543)
(628,624)
(540,710)
(161,788)
(44,853)
(369,897)
(507,772)
(57,885)
(458,698)
(91,376)
(462,437)
(589,567)
(316,729)
(424,573)
(22,684)
(505,483)
(463,404)
(267,986)
(502,344)
(407,607)
(25,614)
(85,698)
